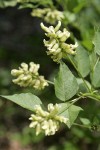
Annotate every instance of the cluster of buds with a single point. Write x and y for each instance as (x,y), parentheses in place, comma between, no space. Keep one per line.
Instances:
(49,15)
(47,121)
(28,76)
(56,45)
(23,1)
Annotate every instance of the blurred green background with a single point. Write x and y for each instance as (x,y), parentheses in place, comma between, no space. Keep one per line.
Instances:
(21,40)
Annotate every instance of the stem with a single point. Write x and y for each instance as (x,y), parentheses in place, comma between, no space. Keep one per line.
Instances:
(79,73)
(96,63)
(50,82)
(73,101)
(76,124)
(92,96)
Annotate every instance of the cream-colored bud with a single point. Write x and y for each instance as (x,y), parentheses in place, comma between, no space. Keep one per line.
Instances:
(68,48)
(38,129)
(65,35)
(24,66)
(74,46)
(34,68)
(37,84)
(44,28)
(43,82)
(56,46)
(15,72)
(33,124)
(58,26)
(52,127)
(51,29)
(61,119)
(50,43)
(40,112)
(45,125)
(50,107)
(35,118)
(18,79)
(47,132)
(25,78)
(55,110)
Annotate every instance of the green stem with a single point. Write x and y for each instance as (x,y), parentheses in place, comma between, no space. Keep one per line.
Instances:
(79,73)
(50,82)
(92,96)
(73,101)
(96,63)
(76,124)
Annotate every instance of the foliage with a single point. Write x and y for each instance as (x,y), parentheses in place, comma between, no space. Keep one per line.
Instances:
(77,77)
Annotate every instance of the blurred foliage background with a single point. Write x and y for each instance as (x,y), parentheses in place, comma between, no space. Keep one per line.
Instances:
(21,41)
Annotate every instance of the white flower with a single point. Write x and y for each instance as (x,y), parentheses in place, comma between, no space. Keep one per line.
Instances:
(48,14)
(47,121)
(28,75)
(56,45)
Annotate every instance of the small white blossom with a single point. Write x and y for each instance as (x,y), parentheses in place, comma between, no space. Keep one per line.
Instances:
(27,75)
(48,14)
(47,121)
(23,1)
(56,45)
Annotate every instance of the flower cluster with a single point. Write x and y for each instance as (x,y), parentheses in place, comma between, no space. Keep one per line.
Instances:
(49,15)
(23,1)
(56,45)
(47,121)
(29,76)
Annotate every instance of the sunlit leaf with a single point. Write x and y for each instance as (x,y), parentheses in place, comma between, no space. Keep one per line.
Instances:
(69,111)
(65,83)
(82,61)
(25,100)
(85,121)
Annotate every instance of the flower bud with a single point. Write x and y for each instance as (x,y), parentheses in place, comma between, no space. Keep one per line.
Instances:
(47,122)
(56,45)
(29,76)
(49,15)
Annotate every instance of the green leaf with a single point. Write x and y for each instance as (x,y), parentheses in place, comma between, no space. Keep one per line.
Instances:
(88,44)
(26,100)
(85,121)
(93,59)
(82,87)
(80,6)
(96,42)
(82,61)
(95,76)
(69,111)
(65,83)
